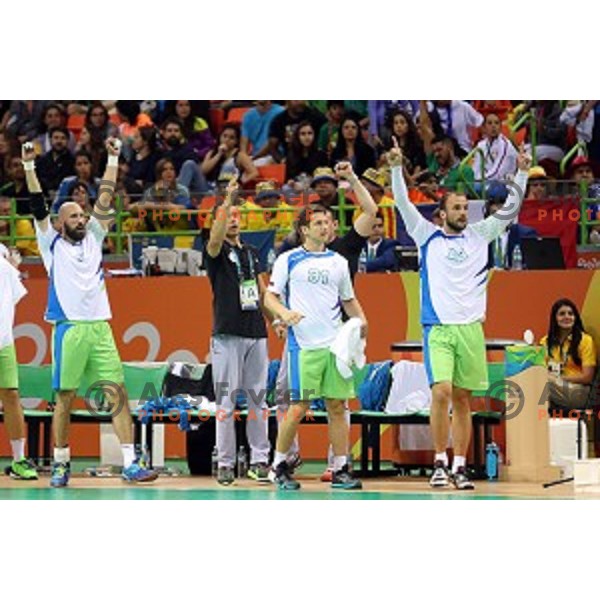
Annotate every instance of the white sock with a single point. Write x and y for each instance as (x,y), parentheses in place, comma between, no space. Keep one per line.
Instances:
(441,456)
(339,462)
(128,451)
(18,449)
(279,458)
(459,461)
(62,455)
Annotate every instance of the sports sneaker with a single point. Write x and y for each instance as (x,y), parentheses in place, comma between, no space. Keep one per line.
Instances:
(345,480)
(137,473)
(440,477)
(283,477)
(461,480)
(225,476)
(295,462)
(327,475)
(259,472)
(22,469)
(61,471)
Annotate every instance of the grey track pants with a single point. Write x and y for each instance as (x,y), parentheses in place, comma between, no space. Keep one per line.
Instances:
(240,364)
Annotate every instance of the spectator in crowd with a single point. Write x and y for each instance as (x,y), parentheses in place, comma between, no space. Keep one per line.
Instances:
(285,123)
(380,250)
(328,135)
(502,248)
(256,125)
(196,131)
(93,145)
(536,184)
(570,357)
(303,155)
(376,182)
(182,155)
(128,189)
(501,108)
(22,228)
(78,192)
(456,118)
(54,115)
(352,148)
(379,111)
(427,190)
(401,125)
(582,173)
(325,185)
(8,147)
(550,133)
(226,157)
(58,163)
(15,186)
(132,119)
(499,154)
(444,163)
(142,165)
(97,122)
(83,174)
(22,120)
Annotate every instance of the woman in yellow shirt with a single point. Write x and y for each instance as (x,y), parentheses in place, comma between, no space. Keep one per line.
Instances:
(570,356)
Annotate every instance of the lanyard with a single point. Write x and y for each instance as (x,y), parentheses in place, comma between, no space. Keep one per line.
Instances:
(236,260)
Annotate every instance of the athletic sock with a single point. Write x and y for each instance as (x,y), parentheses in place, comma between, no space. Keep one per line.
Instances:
(441,456)
(279,458)
(458,462)
(62,455)
(18,449)
(128,451)
(339,462)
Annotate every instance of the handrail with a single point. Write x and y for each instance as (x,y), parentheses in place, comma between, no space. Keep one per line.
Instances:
(567,157)
(520,122)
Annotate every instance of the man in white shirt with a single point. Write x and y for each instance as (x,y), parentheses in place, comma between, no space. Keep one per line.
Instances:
(314,283)
(499,154)
(11,292)
(454,274)
(83,344)
(456,117)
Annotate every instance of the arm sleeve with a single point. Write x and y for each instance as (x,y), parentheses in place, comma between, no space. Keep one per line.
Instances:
(44,240)
(17,288)
(474,118)
(346,290)
(587,352)
(417,226)
(496,224)
(96,230)
(279,275)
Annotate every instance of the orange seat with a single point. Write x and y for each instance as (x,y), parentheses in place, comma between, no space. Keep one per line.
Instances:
(216,116)
(274,172)
(75,124)
(235,115)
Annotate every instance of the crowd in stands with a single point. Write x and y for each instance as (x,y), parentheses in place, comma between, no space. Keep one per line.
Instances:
(179,155)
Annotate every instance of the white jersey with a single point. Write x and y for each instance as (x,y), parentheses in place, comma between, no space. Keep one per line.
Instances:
(313,284)
(77,290)
(11,291)
(454,268)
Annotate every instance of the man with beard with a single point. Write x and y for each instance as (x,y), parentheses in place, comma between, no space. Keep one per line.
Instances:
(183,156)
(58,163)
(83,344)
(454,273)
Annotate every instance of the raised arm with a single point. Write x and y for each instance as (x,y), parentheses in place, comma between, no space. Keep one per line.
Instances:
(417,226)
(219,225)
(103,210)
(496,224)
(364,223)
(37,202)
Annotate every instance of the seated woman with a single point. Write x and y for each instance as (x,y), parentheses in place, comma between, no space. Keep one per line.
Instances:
(352,147)
(570,356)
(303,156)
(226,157)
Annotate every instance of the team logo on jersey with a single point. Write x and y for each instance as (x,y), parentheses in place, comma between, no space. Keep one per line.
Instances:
(456,255)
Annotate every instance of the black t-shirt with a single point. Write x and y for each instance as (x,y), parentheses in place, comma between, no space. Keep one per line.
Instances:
(284,125)
(228,316)
(349,246)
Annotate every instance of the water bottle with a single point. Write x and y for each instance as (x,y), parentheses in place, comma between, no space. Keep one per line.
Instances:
(491,460)
(362,261)
(214,462)
(517,258)
(242,462)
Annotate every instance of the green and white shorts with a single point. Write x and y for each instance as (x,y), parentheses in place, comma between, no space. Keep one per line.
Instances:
(9,375)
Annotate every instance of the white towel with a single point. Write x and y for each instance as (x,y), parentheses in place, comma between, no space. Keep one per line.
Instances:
(349,348)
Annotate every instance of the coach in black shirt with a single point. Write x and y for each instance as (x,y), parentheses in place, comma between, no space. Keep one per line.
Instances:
(239,341)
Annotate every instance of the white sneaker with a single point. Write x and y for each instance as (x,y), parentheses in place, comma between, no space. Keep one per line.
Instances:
(440,477)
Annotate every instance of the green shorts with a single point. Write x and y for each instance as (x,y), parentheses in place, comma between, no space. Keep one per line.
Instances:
(456,353)
(9,374)
(84,349)
(314,374)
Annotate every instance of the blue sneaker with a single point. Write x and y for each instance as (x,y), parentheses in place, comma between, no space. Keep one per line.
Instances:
(61,471)
(137,473)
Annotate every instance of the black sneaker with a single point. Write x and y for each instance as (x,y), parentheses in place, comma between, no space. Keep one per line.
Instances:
(343,479)
(283,477)
(440,477)
(295,461)
(461,480)
(259,472)
(225,476)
